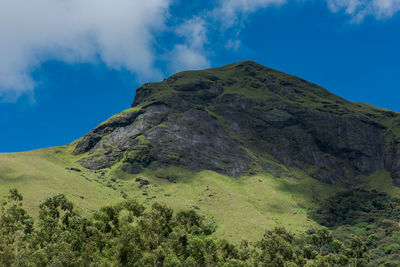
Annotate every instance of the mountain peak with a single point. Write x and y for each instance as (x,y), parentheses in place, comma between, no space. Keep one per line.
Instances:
(246,78)
(244,118)
(245,63)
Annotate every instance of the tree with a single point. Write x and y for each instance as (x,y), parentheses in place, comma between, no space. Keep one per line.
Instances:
(358,248)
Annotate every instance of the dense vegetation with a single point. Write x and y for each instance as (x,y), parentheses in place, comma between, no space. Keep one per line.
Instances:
(371,215)
(127,234)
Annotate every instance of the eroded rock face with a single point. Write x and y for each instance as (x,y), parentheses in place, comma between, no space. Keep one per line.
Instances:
(197,140)
(329,146)
(243,118)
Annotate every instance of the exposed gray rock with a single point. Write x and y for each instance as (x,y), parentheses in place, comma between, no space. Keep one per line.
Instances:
(73,169)
(196,139)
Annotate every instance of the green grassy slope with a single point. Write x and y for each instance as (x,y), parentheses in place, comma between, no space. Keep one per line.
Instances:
(382,182)
(42,173)
(242,207)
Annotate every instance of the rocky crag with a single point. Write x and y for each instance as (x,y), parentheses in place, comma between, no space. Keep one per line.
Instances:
(244,118)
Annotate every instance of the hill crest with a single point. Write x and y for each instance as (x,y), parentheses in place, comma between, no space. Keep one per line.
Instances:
(244,118)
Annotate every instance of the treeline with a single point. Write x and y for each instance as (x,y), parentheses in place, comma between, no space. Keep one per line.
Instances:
(128,234)
(372,215)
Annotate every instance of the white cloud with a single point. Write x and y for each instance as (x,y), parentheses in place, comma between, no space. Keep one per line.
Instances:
(359,9)
(194,31)
(184,57)
(229,11)
(190,54)
(229,18)
(231,14)
(117,32)
(233,44)
(226,15)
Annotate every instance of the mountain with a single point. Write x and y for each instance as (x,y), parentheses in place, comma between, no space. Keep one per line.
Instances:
(245,145)
(242,119)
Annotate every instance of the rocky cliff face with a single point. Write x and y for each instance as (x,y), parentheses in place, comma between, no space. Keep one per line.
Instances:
(244,118)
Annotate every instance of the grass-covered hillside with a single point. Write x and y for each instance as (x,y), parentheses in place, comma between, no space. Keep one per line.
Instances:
(42,173)
(243,207)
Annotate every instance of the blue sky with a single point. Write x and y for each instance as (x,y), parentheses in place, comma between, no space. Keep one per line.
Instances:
(66,66)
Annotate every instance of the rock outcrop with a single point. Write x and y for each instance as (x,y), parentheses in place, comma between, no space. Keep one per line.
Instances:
(244,118)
